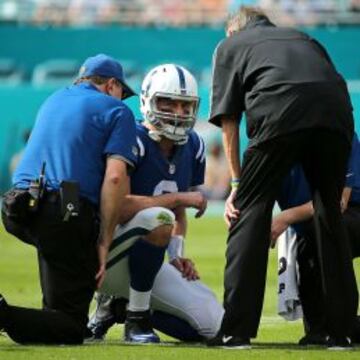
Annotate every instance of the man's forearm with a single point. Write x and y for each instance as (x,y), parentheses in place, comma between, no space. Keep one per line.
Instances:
(114,188)
(136,203)
(298,213)
(230,130)
(113,193)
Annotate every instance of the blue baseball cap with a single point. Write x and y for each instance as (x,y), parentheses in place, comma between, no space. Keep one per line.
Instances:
(106,66)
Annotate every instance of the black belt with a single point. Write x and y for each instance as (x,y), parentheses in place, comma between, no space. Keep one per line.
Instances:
(53,196)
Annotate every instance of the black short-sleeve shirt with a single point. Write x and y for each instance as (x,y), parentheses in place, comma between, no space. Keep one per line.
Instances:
(282,79)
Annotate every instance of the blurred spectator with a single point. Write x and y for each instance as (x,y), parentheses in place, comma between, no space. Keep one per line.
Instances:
(87,12)
(355,5)
(9,10)
(50,12)
(137,12)
(173,12)
(15,159)
(214,10)
(217,178)
(301,10)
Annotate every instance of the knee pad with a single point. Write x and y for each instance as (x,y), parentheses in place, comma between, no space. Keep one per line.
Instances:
(153,217)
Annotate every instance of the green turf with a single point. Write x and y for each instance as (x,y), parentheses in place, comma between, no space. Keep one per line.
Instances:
(205,244)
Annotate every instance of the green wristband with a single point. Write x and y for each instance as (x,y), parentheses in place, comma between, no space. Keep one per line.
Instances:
(235,183)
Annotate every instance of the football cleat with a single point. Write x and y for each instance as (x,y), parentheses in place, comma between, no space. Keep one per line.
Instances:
(97,330)
(138,328)
(102,319)
(109,311)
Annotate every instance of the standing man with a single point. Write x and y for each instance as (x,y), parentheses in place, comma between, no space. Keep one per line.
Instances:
(297,110)
(84,136)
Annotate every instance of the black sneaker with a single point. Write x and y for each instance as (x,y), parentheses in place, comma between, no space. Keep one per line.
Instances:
(229,342)
(339,344)
(3,310)
(138,328)
(313,339)
(355,334)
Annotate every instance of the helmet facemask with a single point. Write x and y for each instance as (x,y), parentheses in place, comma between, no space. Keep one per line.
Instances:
(164,116)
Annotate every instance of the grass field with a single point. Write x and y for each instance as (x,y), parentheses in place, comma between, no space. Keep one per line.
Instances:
(205,244)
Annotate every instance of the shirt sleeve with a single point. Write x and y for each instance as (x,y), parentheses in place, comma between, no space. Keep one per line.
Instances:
(226,90)
(352,176)
(121,142)
(199,162)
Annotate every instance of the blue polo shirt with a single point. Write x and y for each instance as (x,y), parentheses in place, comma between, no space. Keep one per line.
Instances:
(295,190)
(76,129)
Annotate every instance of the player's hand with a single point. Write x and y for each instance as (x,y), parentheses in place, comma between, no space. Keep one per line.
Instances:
(197,200)
(231,214)
(278,226)
(186,267)
(345,197)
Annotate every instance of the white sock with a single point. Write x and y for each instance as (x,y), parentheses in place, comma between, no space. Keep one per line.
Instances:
(139,300)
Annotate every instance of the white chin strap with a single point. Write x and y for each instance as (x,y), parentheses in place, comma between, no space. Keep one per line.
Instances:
(157,135)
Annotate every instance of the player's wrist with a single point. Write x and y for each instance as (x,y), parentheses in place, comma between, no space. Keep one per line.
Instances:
(179,199)
(175,248)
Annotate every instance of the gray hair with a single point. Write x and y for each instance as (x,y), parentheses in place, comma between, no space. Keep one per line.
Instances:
(239,19)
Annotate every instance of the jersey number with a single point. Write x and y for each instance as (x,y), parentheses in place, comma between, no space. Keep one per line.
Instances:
(165,186)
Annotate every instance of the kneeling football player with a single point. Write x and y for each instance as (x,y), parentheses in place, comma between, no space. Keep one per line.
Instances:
(171,161)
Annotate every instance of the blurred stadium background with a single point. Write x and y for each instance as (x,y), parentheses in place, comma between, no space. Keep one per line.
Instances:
(43,42)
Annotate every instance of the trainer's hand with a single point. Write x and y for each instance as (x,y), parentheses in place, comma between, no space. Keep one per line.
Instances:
(102,255)
(278,226)
(195,199)
(186,267)
(231,213)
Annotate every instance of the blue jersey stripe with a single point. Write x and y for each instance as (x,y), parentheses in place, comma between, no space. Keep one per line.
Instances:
(181,80)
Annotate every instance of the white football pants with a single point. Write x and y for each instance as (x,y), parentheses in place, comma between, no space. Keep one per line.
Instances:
(191,301)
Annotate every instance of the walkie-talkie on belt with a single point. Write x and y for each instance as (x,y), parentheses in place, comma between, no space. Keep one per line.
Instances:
(36,190)
(69,199)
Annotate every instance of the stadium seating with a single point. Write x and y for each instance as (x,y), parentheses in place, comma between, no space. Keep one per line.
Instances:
(30,56)
(10,74)
(56,72)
